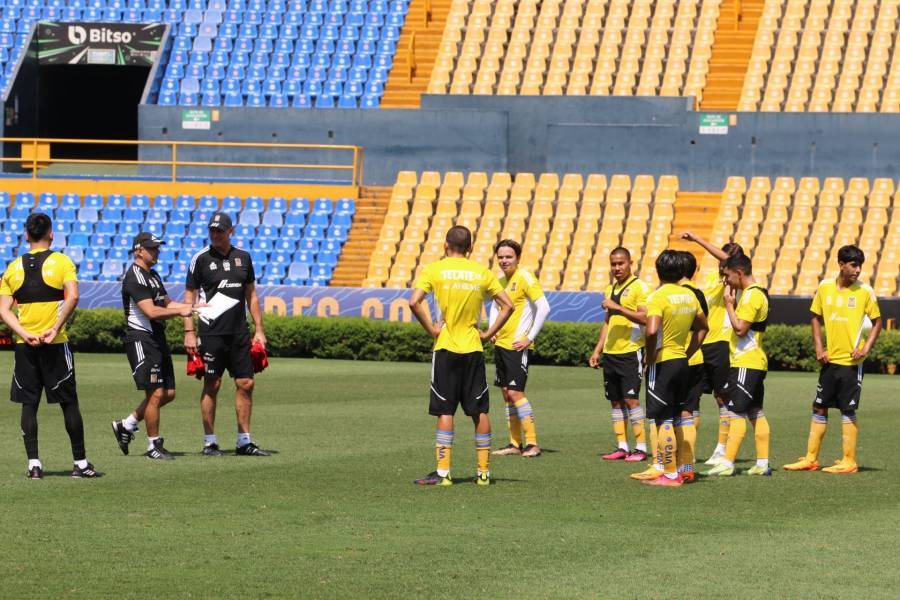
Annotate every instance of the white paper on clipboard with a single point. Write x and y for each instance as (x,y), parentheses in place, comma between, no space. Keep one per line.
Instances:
(216,306)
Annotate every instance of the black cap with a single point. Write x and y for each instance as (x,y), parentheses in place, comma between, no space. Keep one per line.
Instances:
(145,239)
(220,220)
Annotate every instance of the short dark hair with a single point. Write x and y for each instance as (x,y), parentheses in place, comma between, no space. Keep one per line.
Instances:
(732,248)
(38,226)
(459,239)
(669,266)
(688,264)
(851,253)
(516,247)
(621,250)
(739,262)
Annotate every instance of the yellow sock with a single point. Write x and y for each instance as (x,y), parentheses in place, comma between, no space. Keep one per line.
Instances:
(526,418)
(686,437)
(737,429)
(817,430)
(483,451)
(697,419)
(618,421)
(654,444)
(761,436)
(514,425)
(636,416)
(443,450)
(724,422)
(667,446)
(849,433)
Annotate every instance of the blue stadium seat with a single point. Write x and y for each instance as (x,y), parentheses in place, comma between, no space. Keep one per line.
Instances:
(4,199)
(208,203)
(174,231)
(117,201)
(181,217)
(88,269)
(328,259)
(123,240)
(93,201)
(277,204)
(78,239)
(273,219)
(76,254)
(47,202)
(106,227)
(94,253)
(262,245)
(245,231)
(197,229)
(141,201)
(310,245)
(131,228)
(345,206)
(338,233)
(344,219)
(323,205)
(254,203)
(249,217)
(179,271)
(297,274)
(313,232)
(119,254)
(111,270)
(185,202)
(231,204)
(321,220)
(156,217)
(59,227)
(163,202)
(24,200)
(268,232)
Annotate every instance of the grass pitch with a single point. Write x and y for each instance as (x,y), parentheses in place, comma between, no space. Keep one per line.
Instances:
(334,513)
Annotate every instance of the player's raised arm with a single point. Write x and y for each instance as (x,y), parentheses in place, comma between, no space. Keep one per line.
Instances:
(718,253)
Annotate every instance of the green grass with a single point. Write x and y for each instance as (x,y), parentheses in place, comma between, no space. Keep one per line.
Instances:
(333,513)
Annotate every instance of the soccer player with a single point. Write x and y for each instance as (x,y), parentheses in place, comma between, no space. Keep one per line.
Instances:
(749,364)
(44,285)
(460,287)
(688,422)
(512,344)
(619,350)
(846,307)
(147,305)
(221,269)
(716,349)
(675,329)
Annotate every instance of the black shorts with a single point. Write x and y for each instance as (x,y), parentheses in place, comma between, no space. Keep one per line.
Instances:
(622,375)
(458,379)
(839,387)
(49,368)
(150,360)
(227,352)
(696,387)
(512,368)
(745,390)
(667,384)
(716,364)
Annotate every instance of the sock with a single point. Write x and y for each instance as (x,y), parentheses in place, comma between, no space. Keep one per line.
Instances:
(150,442)
(686,438)
(130,423)
(636,416)
(443,450)
(761,436)
(737,429)
(483,451)
(697,419)
(724,423)
(33,462)
(667,447)
(514,425)
(720,449)
(75,428)
(654,445)
(526,417)
(210,439)
(30,431)
(81,464)
(762,463)
(849,433)
(817,429)
(242,439)
(618,421)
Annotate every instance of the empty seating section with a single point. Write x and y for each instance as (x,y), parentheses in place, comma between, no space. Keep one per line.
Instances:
(793,230)
(825,55)
(292,242)
(576,47)
(300,53)
(567,225)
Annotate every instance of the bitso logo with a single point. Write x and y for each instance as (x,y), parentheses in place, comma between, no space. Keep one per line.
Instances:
(98,35)
(77,34)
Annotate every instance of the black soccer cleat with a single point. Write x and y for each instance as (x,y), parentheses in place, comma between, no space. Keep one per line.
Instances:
(86,473)
(212,450)
(123,436)
(158,452)
(35,473)
(250,449)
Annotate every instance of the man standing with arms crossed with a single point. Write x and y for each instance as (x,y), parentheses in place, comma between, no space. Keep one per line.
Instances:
(460,287)
(224,342)
(45,286)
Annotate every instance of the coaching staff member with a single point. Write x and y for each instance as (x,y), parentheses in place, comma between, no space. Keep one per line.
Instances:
(44,285)
(224,342)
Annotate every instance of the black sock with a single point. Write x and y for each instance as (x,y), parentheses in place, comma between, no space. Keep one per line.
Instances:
(30,430)
(75,428)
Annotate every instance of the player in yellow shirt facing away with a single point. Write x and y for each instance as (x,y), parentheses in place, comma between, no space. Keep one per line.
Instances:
(846,307)
(511,346)
(44,285)
(460,288)
(675,329)
(749,316)
(619,351)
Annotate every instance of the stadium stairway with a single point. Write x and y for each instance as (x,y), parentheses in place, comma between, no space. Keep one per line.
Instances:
(695,212)
(353,264)
(424,27)
(735,35)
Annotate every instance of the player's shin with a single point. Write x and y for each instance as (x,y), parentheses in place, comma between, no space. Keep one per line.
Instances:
(737,429)
(667,447)
(761,437)
(849,434)
(513,424)
(817,429)
(526,418)
(636,416)
(483,451)
(618,422)
(443,449)
(686,438)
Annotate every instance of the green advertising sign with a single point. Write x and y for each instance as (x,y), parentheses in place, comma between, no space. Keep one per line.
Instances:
(195,118)
(713,124)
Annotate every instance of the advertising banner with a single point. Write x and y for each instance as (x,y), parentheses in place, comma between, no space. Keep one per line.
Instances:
(81,43)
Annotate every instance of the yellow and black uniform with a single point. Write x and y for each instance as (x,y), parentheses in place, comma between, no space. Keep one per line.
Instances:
(512,365)
(698,383)
(749,363)
(460,287)
(668,378)
(847,313)
(622,350)
(35,281)
(716,345)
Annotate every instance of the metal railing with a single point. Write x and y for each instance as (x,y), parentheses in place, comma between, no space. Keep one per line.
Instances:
(35,154)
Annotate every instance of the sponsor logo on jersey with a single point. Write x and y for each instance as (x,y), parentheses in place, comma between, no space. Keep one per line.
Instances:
(225,284)
(226,265)
(237,262)
(213,266)
(851,303)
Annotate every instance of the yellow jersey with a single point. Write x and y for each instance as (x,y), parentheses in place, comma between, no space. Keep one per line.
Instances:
(460,287)
(747,352)
(39,294)
(697,357)
(677,308)
(524,290)
(719,323)
(624,336)
(845,312)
